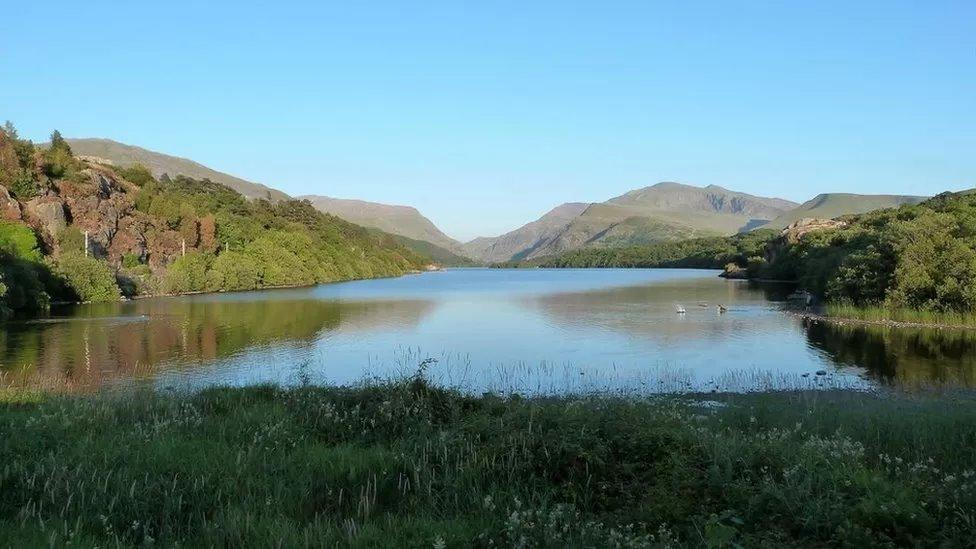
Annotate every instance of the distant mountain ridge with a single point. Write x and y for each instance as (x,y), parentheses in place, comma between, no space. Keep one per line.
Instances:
(831,205)
(521,242)
(124,155)
(663,212)
(404,221)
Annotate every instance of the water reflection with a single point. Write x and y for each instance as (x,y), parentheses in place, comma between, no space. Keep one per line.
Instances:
(100,343)
(908,357)
(531,330)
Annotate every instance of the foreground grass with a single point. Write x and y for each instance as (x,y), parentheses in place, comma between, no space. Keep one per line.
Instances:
(911,316)
(409,465)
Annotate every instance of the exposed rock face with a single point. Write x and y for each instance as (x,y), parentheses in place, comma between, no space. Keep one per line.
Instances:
(97,207)
(9,208)
(46,215)
(798,229)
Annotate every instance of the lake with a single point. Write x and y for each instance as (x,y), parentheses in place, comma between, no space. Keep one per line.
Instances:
(532,331)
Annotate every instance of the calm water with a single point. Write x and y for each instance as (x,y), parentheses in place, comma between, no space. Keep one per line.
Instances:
(526,330)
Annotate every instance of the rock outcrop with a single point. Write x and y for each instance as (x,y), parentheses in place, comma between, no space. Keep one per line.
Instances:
(102,204)
(797,230)
(9,208)
(46,214)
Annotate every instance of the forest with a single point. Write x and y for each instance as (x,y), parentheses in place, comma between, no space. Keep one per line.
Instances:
(166,235)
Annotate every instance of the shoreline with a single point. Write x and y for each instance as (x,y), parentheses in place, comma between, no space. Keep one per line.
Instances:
(821,317)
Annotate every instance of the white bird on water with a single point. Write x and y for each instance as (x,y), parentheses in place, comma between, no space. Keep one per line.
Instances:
(680,309)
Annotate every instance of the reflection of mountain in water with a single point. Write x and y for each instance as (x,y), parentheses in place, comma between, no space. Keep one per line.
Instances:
(904,356)
(134,339)
(647,312)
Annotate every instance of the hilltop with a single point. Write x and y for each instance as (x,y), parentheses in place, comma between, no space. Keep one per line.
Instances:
(831,205)
(659,213)
(122,155)
(404,221)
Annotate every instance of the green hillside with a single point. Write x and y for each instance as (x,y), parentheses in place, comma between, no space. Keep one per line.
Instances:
(73,229)
(123,155)
(831,205)
(399,220)
(437,254)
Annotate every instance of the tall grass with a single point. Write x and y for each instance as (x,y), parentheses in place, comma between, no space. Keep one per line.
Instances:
(913,316)
(407,464)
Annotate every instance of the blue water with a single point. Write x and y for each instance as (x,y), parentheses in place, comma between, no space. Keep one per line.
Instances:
(531,331)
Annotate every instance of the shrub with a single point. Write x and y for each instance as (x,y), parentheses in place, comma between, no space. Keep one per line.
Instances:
(23,186)
(136,174)
(88,278)
(23,288)
(19,240)
(130,261)
(70,239)
(187,274)
(233,271)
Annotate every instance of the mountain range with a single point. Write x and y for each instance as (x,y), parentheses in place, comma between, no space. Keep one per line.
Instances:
(663,212)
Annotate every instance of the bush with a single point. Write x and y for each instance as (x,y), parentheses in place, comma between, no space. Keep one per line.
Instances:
(23,287)
(130,261)
(23,186)
(88,278)
(136,174)
(19,240)
(233,271)
(187,274)
(70,239)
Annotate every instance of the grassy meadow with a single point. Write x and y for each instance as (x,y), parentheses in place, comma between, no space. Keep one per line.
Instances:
(408,464)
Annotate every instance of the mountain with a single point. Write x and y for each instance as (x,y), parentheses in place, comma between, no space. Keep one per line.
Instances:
(659,213)
(404,221)
(710,208)
(521,242)
(439,255)
(831,205)
(124,155)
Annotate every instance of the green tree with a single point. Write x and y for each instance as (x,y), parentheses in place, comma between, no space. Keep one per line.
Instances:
(187,274)
(88,278)
(234,271)
(137,174)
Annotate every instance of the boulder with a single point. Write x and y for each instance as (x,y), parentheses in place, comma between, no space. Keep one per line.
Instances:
(46,214)
(9,207)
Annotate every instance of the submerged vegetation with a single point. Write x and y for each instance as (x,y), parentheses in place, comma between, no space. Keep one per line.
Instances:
(153,235)
(412,465)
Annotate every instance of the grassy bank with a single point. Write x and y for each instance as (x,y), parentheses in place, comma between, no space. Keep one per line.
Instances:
(409,465)
(900,315)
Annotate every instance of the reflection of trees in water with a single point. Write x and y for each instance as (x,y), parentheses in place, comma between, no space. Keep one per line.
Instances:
(133,339)
(906,356)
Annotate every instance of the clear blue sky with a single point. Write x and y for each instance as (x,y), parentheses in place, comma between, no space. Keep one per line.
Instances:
(486,114)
